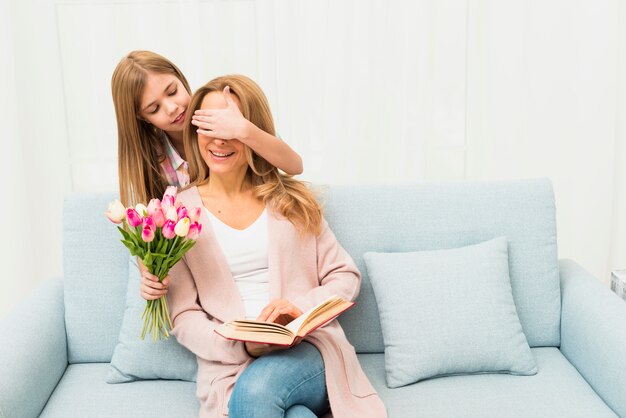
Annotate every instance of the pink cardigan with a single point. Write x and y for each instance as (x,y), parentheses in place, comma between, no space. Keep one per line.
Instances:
(305,270)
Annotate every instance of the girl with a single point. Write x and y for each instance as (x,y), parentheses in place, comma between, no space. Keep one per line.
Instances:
(151,97)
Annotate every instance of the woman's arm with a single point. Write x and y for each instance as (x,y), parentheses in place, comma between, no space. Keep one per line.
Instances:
(192,326)
(228,123)
(337,272)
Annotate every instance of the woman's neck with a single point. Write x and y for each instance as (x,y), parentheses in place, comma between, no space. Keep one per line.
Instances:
(228,185)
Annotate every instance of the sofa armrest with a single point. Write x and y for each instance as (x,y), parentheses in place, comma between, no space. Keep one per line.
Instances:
(33,353)
(593,335)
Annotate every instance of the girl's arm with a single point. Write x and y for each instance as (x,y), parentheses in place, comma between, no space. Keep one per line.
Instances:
(274,150)
(228,123)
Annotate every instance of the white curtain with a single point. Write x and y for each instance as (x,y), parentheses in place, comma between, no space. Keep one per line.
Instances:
(35,164)
(543,98)
(366,91)
(12,171)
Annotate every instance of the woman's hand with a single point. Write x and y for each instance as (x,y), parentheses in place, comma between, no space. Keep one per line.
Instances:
(279,311)
(258,350)
(151,288)
(227,123)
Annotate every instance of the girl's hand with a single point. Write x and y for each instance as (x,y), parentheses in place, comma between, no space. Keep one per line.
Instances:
(227,123)
(279,311)
(151,288)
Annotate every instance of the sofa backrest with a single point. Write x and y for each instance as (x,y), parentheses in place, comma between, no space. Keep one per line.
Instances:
(448,215)
(95,277)
(364,218)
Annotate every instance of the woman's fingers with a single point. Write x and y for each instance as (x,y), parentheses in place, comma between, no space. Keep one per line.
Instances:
(152,281)
(282,315)
(149,293)
(258,350)
(279,310)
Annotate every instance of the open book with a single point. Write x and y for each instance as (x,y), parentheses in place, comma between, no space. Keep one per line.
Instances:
(270,333)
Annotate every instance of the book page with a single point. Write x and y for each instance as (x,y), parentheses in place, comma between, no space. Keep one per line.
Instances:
(261,337)
(257,326)
(321,318)
(310,315)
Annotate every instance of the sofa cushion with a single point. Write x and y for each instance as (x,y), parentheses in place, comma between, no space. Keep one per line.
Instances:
(434,216)
(557,390)
(95,268)
(134,358)
(448,312)
(82,392)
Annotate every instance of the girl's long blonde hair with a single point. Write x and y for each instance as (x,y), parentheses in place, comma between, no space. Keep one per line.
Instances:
(139,143)
(286,195)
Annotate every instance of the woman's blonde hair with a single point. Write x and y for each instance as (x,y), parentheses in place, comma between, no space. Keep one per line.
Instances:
(139,143)
(286,195)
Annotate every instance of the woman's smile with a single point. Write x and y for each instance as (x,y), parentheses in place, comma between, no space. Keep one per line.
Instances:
(221,156)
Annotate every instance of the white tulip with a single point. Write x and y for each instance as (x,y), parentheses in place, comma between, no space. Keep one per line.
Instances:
(141,209)
(116,212)
(182,227)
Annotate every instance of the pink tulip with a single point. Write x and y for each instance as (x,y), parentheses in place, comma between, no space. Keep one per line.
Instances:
(167,202)
(169,197)
(178,204)
(153,206)
(182,212)
(134,219)
(194,214)
(168,229)
(170,191)
(149,223)
(194,230)
(159,218)
(147,234)
(171,214)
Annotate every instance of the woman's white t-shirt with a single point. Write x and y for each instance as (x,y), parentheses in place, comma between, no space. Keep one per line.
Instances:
(247,256)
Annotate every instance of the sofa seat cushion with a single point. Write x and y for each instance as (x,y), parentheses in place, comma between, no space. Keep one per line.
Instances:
(557,390)
(83,392)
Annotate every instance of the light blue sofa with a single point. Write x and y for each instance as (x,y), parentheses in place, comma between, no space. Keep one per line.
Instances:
(56,345)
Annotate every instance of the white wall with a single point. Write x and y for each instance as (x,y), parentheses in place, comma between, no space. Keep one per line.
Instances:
(367,91)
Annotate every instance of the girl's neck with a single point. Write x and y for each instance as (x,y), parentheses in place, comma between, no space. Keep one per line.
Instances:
(176,138)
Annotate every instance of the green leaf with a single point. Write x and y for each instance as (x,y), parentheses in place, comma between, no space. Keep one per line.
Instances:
(162,246)
(147,259)
(124,233)
(157,255)
(129,244)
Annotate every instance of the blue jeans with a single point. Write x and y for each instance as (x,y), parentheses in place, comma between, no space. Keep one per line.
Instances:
(286,383)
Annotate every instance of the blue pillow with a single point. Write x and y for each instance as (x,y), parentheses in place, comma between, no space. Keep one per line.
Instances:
(137,359)
(448,312)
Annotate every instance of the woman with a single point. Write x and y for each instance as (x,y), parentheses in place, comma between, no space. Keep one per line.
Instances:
(265,252)
(151,97)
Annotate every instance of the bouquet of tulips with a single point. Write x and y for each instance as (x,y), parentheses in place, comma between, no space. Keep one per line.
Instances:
(159,234)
